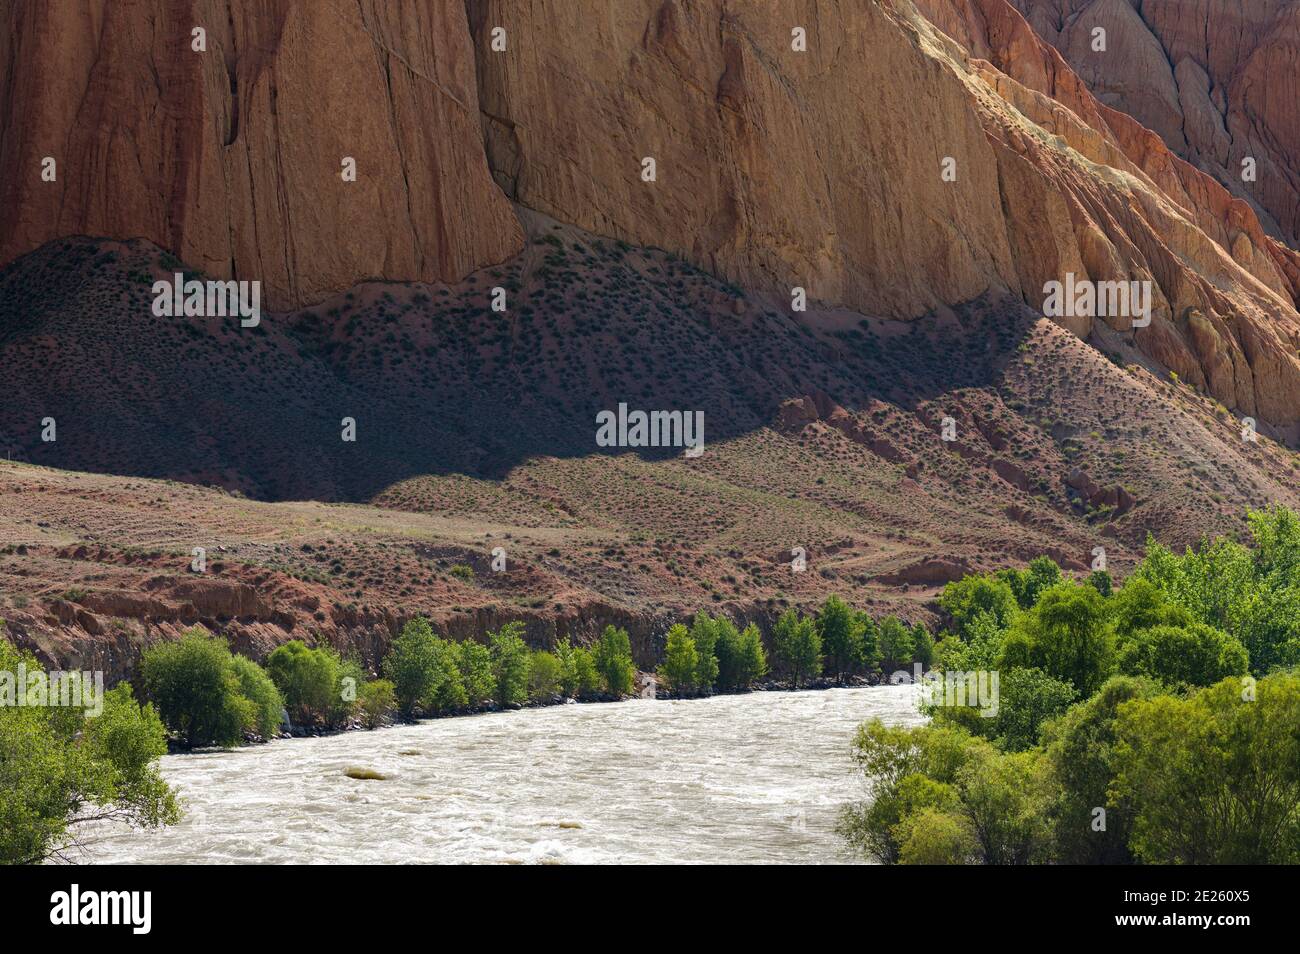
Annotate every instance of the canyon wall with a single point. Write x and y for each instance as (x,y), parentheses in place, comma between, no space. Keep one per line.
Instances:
(794,143)
(232,157)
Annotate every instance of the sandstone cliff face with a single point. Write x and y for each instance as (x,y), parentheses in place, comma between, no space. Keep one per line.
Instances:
(231,158)
(775,167)
(1219,80)
(821,169)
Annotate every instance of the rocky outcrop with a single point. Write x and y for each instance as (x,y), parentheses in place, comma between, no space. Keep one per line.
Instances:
(1218,80)
(231,157)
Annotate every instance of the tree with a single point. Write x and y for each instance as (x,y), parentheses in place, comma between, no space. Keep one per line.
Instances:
(753,660)
(613,661)
(972,596)
(1080,746)
(586,677)
(841,631)
(1100,580)
(474,660)
(1213,778)
(1067,634)
(1028,584)
(797,647)
(416,666)
(61,769)
(681,661)
(449,692)
(727,649)
(309,679)
(922,645)
(1192,655)
(1006,797)
(196,688)
(704,632)
(907,770)
(1140,605)
(510,663)
(896,646)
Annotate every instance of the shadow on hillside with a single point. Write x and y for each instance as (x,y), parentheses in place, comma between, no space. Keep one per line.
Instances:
(434,380)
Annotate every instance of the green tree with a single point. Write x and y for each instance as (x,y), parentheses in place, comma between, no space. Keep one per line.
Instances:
(586,676)
(1140,604)
(681,661)
(449,692)
(728,650)
(1067,634)
(196,688)
(1028,584)
(797,647)
(972,596)
(1100,580)
(704,632)
(414,666)
(309,680)
(376,700)
(1213,778)
(510,663)
(753,659)
(841,632)
(259,689)
(474,660)
(1080,746)
(543,676)
(613,661)
(1007,799)
(62,769)
(896,645)
(922,645)
(1193,655)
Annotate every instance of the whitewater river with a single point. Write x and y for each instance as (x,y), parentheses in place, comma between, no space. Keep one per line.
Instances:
(749,778)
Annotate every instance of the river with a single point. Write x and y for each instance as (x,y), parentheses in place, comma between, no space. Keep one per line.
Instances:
(733,779)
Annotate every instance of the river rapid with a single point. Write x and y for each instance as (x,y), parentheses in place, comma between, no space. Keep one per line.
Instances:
(748,778)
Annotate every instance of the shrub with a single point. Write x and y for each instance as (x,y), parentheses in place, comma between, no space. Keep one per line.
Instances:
(309,680)
(376,700)
(193,683)
(543,676)
(256,686)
